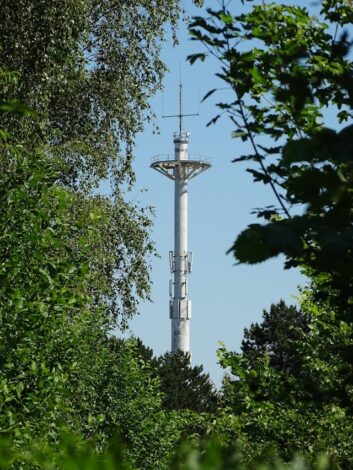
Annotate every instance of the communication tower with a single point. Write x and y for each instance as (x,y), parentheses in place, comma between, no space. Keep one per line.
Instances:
(181,170)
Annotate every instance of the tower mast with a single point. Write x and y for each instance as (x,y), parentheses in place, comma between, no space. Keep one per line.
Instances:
(181,170)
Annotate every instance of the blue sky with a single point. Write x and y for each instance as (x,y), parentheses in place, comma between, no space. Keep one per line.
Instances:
(225,298)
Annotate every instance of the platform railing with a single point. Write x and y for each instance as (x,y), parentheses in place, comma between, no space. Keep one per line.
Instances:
(167,157)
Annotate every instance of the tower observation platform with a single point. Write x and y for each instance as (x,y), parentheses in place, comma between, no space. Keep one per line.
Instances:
(181,170)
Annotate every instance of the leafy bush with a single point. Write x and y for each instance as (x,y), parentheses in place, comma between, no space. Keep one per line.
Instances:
(73,454)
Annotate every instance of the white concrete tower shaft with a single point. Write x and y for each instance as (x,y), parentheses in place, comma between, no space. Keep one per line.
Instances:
(180,305)
(181,170)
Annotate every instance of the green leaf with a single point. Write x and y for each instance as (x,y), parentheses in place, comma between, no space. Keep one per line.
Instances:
(256,75)
(226,18)
(239,133)
(214,120)
(250,246)
(260,242)
(192,58)
(298,151)
(4,135)
(209,93)
(17,107)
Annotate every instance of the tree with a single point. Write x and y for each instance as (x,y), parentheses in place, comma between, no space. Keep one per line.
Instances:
(59,369)
(44,300)
(289,68)
(279,335)
(327,351)
(115,396)
(306,410)
(73,261)
(185,387)
(284,68)
(88,69)
(145,353)
(277,359)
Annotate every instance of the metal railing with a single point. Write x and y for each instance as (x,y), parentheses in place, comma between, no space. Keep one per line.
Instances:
(167,157)
(162,157)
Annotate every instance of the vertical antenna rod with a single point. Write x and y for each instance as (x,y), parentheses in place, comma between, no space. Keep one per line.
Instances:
(180,108)
(181,170)
(181,114)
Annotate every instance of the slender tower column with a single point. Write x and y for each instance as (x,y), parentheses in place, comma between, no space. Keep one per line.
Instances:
(180,310)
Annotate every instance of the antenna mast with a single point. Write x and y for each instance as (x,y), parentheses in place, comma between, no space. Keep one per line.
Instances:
(180,107)
(181,170)
(181,114)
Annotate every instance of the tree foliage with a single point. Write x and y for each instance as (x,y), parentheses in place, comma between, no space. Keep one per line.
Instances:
(88,68)
(290,76)
(44,300)
(286,69)
(279,335)
(74,454)
(185,387)
(59,371)
(73,262)
(306,409)
(59,368)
